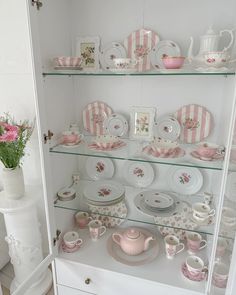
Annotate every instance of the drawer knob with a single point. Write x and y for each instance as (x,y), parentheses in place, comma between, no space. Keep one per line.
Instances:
(87,281)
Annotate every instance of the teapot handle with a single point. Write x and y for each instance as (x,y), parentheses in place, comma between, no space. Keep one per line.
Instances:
(231,38)
(116,237)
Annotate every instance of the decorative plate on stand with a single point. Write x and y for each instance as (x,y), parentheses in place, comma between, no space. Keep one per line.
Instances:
(116,125)
(196,123)
(139,174)
(109,52)
(162,49)
(94,115)
(138,46)
(184,180)
(99,168)
(167,127)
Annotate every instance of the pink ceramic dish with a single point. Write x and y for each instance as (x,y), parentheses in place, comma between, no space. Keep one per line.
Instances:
(173,62)
(67,61)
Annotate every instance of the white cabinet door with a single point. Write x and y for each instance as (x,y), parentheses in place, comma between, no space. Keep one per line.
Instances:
(63,290)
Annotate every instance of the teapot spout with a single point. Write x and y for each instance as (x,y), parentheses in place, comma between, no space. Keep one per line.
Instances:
(147,241)
(190,50)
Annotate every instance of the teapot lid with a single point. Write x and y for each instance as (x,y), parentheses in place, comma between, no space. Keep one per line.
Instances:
(132,233)
(210,32)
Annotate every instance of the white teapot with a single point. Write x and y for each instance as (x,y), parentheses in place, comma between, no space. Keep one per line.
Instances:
(209,43)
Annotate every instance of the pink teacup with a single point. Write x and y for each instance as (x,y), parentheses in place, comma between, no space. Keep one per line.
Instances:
(208,150)
(71,239)
(195,242)
(82,219)
(71,137)
(96,229)
(173,62)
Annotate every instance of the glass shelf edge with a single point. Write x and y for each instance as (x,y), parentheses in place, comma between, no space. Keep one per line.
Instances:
(200,231)
(187,73)
(136,159)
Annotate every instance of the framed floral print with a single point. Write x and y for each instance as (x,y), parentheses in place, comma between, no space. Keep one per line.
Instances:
(88,49)
(141,123)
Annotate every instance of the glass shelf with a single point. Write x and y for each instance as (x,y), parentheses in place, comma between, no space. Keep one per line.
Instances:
(134,215)
(185,72)
(133,152)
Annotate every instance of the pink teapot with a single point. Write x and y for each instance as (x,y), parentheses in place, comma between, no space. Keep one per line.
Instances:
(132,241)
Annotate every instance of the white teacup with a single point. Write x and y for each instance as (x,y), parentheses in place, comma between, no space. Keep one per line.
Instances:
(217,58)
(202,211)
(71,239)
(195,265)
(195,242)
(172,246)
(228,216)
(96,229)
(124,63)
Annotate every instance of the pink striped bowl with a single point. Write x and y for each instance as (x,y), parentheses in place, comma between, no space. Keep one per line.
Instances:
(67,61)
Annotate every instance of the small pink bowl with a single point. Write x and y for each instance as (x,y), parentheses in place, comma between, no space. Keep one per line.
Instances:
(173,62)
(67,61)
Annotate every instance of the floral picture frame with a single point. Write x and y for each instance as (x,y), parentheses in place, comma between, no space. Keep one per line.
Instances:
(88,49)
(141,123)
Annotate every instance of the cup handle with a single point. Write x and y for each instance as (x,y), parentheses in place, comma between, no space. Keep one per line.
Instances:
(212,212)
(103,230)
(181,245)
(116,237)
(203,244)
(79,242)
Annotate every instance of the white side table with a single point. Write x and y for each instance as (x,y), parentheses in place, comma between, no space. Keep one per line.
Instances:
(24,240)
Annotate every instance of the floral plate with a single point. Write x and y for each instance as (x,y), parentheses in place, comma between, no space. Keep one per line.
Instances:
(139,174)
(99,168)
(116,125)
(184,180)
(138,45)
(109,52)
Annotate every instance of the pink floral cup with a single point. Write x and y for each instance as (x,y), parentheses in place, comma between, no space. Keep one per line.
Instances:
(96,229)
(195,242)
(82,219)
(71,137)
(208,150)
(71,239)
(172,246)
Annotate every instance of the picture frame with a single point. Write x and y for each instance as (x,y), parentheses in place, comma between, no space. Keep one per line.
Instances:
(141,123)
(88,49)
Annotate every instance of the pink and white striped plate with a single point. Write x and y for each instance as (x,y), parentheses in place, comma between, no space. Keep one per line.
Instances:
(138,45)
(94,115)
(196,122)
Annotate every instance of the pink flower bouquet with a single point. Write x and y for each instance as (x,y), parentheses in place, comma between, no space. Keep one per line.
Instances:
(13,139)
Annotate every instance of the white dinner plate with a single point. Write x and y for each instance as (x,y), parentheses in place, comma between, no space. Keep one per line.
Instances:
(167,127)
(109,52)
(163,48)
(184,180)
(116,125)
(99,168)
(158,200)
(139,174)
(103,191)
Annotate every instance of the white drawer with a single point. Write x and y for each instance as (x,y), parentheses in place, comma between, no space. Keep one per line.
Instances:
(102,282)
(62,290)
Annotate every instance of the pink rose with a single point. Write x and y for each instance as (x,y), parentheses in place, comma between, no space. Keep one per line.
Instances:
(11,128)
(9,136)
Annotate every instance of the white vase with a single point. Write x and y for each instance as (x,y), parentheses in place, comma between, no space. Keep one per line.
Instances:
(13,182)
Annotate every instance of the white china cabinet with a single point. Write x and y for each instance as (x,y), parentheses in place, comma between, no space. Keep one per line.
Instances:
(61,97)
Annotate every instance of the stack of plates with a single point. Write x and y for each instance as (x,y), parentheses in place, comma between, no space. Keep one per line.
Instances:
(157,204)
(158,201)
(104,193)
